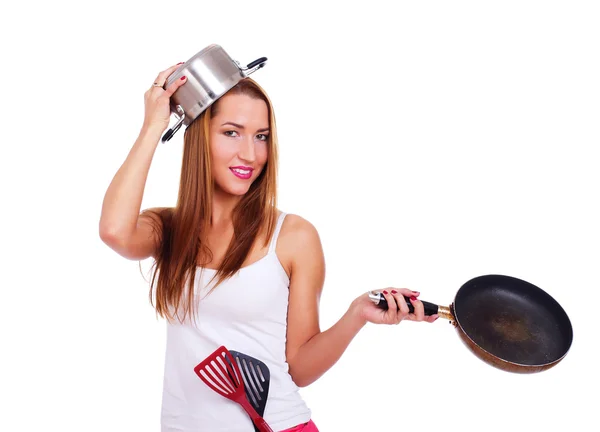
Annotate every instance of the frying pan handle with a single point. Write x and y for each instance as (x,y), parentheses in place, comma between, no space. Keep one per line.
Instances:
(381,302)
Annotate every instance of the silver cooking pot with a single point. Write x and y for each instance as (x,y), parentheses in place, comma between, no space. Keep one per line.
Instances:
(210,74)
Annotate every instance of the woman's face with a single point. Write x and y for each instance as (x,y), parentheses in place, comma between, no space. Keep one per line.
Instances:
(238,142)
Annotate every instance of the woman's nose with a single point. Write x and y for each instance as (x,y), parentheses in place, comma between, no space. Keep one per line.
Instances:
(247,151)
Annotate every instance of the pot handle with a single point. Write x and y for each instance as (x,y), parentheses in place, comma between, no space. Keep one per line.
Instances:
(169,134)
(255,65)
(381,302)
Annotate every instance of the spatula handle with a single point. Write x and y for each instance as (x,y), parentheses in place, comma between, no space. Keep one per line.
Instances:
(260,423)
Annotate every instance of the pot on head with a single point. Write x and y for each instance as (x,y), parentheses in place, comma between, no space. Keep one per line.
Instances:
(210,74)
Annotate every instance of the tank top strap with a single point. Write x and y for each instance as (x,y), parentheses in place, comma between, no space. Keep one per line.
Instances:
(276,232)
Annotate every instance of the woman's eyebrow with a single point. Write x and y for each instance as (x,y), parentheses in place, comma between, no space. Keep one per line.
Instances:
(239,126)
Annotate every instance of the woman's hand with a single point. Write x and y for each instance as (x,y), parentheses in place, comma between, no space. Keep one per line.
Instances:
(397,310)
(156,100)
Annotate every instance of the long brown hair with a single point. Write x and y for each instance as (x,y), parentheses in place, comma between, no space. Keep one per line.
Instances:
(181,229)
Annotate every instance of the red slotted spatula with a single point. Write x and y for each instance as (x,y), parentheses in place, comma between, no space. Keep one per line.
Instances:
(217,373)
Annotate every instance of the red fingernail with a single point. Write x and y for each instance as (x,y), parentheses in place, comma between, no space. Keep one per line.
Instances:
(394,292)
(413,298)
(385,292)
(180,63)
(182,78)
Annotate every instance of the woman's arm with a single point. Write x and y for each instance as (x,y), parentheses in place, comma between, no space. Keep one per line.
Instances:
(310,352)
(122,227)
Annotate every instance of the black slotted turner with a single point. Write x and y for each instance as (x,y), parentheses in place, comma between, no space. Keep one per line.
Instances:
(256,378)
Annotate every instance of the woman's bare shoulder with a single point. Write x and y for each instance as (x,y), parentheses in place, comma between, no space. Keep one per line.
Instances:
(296,225)
(298,237)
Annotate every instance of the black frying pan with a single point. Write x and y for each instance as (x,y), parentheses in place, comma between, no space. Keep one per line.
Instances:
(505,321)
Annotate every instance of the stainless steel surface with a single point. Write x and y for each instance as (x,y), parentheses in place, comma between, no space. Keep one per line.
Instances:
(374,297)
(210,74)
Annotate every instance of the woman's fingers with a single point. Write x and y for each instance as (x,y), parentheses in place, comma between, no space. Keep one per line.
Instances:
(157,99)
(401,302)
(398,300)
(174,86)
(162,76)
(431,318)
(392,312)
(407,293)
(419,312)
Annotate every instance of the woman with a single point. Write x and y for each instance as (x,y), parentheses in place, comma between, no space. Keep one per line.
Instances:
(231,269)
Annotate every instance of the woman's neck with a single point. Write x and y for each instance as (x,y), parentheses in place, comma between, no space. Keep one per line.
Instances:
(222,208)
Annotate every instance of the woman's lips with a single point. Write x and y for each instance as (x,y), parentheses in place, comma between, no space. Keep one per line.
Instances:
(242,172)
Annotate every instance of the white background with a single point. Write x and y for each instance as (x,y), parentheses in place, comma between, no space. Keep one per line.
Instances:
(428,142)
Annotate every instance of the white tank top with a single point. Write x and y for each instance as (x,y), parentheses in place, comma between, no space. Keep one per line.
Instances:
(246,313)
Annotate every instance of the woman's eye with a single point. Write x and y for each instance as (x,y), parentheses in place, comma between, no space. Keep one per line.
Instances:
(262,137)
(230,133)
